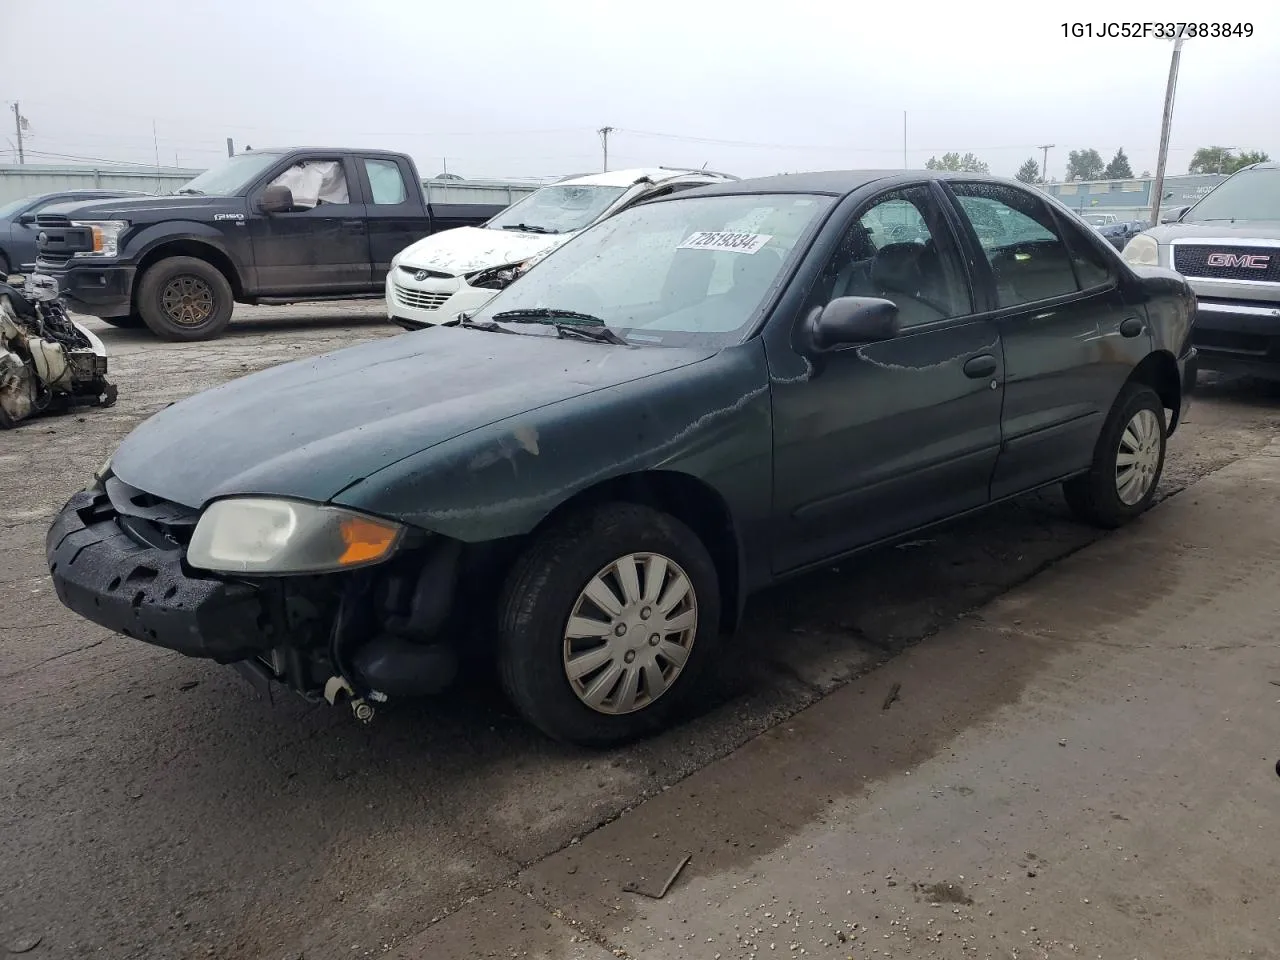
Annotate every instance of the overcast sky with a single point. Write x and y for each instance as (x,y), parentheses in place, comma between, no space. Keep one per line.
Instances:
(519,88)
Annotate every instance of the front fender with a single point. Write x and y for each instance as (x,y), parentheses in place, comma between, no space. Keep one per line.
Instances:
(141,244)
(711,420)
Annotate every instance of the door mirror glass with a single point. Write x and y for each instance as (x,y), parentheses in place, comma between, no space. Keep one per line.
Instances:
(277,198)
(847,321)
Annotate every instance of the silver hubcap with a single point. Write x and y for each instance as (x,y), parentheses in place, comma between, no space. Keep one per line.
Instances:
(1138,458)
(630,633)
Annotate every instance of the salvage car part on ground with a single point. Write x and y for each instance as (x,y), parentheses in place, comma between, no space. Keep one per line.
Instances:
(582,482)
(48,361)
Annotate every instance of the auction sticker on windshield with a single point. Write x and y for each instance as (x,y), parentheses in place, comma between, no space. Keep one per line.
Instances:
(731,242)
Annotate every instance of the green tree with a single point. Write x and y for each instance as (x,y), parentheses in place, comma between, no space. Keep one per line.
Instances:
(953,161)
(1223,160)
(1118,168)
(1029,172)
(1085,165)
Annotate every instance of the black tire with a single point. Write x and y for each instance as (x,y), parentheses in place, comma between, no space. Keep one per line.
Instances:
(131,322)
(185,285)
(542,591)
(1094,497)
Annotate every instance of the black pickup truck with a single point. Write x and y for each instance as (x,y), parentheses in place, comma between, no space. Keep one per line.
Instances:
(266,226)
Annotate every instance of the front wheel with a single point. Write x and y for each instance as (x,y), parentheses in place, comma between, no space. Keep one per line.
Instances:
(185,298)
(1127,461)
(605,623)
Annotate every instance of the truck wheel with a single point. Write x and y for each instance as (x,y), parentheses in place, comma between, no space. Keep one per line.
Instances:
(605,623)
(184,298)
(1127,461)
(132,322)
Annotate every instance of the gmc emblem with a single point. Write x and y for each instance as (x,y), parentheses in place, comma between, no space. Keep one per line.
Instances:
(1249,261)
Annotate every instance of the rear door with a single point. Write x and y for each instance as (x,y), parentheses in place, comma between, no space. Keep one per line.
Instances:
(393,210)
(321,246)
(1070,339)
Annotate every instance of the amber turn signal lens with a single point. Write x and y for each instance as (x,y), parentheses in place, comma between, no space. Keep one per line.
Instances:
(366,540)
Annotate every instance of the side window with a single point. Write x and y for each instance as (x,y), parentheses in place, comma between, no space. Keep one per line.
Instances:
(898,249)
(315,183)
(1029,260)
(1092,268)
(385,181)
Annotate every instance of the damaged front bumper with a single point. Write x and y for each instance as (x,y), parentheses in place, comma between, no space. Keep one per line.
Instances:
(116,557)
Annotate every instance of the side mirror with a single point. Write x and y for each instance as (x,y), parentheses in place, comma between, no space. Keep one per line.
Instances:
(847,321)
(1174,215)
(277,198)
(27,219)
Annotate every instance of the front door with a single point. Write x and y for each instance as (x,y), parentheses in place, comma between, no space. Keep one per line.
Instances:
(875,440)
(321,245)
(1069,337)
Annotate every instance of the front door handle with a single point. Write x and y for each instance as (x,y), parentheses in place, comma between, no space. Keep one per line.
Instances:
(355,226)
(1131,327)
(980,367)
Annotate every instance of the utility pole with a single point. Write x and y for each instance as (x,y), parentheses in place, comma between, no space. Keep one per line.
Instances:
(904,140)
(1157,188)
(19,124)
(1226,152)
(231,147)
(444,162)
(604,141)
(1044,166)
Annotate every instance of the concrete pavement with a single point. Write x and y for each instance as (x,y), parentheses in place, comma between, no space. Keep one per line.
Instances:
(1083,768)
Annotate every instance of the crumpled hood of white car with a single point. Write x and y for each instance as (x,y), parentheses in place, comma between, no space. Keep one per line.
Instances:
(467,249)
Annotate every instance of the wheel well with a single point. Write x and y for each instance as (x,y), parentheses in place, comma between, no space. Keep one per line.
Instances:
(694,504)
(1159,371)
(192,248)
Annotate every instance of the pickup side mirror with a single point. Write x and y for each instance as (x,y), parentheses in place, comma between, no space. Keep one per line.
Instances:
(27,219)
(276,198)
(847,321)
(1174,215)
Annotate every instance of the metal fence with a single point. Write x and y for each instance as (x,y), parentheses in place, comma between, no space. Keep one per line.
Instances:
(1131,199)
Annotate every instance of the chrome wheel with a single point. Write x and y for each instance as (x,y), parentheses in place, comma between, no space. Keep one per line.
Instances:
(1138,458)
(187,301)
(630,633)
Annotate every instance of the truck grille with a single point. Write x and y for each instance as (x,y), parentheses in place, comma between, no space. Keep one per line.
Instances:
(420,299)
(1227,262)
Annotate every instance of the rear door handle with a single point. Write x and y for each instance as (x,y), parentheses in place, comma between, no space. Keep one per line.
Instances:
(1131,327)
(980,367)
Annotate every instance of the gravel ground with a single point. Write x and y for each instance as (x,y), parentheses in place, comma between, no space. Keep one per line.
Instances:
(182,818)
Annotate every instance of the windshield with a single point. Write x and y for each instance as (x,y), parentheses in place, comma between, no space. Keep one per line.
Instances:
(684,272)
(562,208)
(1249,195)
(231,177)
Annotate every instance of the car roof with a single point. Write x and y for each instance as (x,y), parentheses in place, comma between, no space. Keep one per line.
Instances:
(837,183)
(625,178)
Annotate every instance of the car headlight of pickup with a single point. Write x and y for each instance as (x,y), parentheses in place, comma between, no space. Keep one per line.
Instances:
(1142,250)
(275,536)
(497,278)
(105,235)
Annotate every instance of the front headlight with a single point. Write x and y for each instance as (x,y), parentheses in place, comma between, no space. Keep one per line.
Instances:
(1142,250)
(106,236)
(276,536)
(497,278)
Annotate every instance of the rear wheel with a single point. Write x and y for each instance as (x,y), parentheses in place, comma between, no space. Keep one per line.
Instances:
(1127,461)
(605,624)
(184,298)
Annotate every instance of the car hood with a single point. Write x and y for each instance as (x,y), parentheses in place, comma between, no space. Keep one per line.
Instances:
(132,208)
(312,428)
(467,249)
(1237,230)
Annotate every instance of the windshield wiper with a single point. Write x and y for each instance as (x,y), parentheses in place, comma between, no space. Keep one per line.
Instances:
(566,322)
(189,190)
(465,321)
(526,228)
